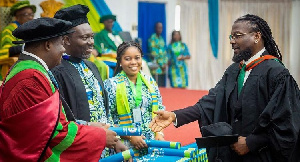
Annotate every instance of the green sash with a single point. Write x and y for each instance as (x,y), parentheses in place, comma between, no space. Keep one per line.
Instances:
(123,108)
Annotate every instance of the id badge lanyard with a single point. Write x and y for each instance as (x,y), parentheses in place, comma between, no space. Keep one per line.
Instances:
(137,92)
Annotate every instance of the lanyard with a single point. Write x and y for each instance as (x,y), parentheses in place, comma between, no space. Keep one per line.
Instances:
(137,90)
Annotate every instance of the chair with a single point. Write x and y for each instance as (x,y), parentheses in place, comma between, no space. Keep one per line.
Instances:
(125,35)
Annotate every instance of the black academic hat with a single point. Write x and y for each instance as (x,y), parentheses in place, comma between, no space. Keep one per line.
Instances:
(41,29)
(75,14)
(216,141)
(107,17)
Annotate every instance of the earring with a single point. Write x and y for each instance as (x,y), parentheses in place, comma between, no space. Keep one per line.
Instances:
(256,41)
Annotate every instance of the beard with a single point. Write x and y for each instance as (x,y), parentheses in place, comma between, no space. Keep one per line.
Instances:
(243,55)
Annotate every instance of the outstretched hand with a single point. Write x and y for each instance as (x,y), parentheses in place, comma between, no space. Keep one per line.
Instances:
(162,120)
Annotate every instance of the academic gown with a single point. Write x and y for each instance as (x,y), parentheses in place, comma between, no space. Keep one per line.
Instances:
(267,112)
(73,90)
(33,126)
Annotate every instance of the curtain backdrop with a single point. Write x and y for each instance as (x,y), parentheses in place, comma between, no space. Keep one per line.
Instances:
(148,15)
(204,69)
(295,41)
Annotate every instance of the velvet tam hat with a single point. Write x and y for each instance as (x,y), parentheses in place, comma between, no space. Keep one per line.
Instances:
(107,17)
(19,5)
(216,141)
(75,14)
(41,29)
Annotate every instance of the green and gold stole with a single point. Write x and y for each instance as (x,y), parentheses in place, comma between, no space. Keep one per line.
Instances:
(123,107)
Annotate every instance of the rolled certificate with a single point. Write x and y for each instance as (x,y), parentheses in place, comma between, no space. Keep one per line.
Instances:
(125,155)
(124,131)
(163,144)
(172,152)
(162,158)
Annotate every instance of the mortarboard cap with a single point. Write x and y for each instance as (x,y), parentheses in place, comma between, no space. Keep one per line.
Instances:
(216,141)
(41,29)
(19,5)
(75,14)
(107,17)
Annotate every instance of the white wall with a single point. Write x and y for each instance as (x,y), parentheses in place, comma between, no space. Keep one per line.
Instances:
(126,12)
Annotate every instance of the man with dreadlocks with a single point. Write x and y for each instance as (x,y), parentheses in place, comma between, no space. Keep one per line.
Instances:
(257,98)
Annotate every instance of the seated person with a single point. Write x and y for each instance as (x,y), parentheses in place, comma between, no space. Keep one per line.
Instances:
(106,43)
(22,12)
(133,96)
(107,40)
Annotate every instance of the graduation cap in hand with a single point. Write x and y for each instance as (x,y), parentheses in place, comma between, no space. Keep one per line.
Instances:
(216,141)
(215,135)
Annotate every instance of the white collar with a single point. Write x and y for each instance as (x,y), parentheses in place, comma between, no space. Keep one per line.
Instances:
(256,56)
(36,57)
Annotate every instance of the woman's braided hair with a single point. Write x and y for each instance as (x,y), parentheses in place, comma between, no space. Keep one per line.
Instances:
(121,50)
(260,25)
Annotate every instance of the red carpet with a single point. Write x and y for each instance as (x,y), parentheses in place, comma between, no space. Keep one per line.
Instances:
(175,99)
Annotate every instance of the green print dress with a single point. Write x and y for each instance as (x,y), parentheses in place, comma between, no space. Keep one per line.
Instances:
(178,71)
(144,96)
(157,48)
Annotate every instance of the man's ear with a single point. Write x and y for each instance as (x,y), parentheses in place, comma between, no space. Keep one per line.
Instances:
(47,45)
(257,36)
(66,40)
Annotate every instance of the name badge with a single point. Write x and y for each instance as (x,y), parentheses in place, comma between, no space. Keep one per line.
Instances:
(137,115)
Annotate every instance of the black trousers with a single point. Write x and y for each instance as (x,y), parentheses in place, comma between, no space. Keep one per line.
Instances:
(160,80)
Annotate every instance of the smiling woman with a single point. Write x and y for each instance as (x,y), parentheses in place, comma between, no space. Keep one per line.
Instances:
(133,96)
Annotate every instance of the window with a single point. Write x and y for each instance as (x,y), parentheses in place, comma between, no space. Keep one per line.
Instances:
(177,17)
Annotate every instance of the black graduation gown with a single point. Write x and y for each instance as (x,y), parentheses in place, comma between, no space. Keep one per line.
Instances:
(270,113)
(73,90)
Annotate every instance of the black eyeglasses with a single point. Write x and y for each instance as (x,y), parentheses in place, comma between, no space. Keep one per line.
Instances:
(27,15)
(236,36)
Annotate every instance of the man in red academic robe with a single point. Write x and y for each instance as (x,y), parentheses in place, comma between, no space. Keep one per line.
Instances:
(33,124)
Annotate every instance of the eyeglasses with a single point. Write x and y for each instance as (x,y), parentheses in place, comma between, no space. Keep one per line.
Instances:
(27,15)
(236,36)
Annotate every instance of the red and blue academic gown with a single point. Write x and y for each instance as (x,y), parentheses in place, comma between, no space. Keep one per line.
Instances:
(33,125)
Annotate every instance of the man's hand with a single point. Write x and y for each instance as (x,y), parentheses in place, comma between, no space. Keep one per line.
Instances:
(162,120)
(111,139)
(180,57)
(100,125)
(120,147)
(138,142)
(240,147)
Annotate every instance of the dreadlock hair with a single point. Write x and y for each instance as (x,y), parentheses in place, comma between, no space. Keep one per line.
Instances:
(260,25)
(121,50)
